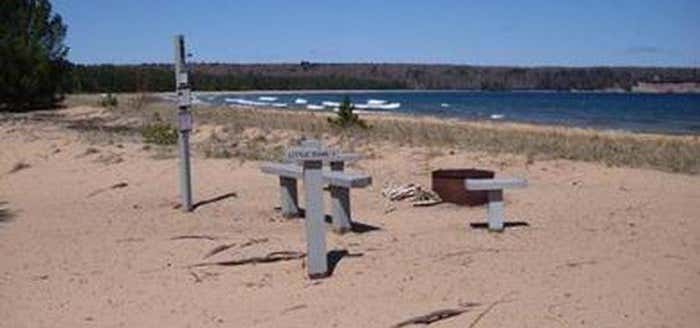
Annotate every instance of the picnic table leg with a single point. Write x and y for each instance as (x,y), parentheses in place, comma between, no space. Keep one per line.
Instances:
(340,202)
(317,263)
(495,211)
(289,198)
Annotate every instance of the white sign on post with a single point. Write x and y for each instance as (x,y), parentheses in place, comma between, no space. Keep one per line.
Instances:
(184,120)
(310,154)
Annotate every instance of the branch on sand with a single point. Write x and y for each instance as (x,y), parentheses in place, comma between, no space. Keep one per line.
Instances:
(221,248)
(114,186)
(487,310)
(193,237)
(19,167)
(217,250)
(269,258)
(433,317)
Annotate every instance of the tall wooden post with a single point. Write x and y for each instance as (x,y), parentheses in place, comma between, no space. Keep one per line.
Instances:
(184,115)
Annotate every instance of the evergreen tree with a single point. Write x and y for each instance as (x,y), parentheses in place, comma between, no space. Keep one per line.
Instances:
(32,55)
(346,118)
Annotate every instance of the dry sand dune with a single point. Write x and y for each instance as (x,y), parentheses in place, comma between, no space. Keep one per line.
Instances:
(93,242)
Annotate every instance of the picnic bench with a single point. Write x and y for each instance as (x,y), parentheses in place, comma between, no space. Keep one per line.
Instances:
(306,162)
(339,183)
(494,189)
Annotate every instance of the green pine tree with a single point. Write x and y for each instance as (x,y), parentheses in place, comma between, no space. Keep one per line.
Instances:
(32,55)
(345,117)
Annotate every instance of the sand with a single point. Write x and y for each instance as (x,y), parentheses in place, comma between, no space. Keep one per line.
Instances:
(93,243)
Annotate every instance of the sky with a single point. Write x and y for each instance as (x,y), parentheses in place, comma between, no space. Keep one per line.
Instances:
(507,32)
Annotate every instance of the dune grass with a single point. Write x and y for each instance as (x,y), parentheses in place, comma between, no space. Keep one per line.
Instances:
(667,153)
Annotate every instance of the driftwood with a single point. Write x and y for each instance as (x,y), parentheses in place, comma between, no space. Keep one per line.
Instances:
(431,317)
(487,310)
(415,193)
(254,241)
(114,186)
(19,167)
(193,237)
(218,249)
(269,258)
(221,248)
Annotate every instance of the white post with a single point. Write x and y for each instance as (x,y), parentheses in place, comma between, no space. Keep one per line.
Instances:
(184,122)
(317,263)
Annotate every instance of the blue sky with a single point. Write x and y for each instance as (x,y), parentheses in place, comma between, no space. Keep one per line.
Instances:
(522,33)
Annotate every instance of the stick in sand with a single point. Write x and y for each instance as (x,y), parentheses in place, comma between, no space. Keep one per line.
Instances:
(269,258)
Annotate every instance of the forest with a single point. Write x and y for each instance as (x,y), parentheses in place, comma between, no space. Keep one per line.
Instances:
(306,75)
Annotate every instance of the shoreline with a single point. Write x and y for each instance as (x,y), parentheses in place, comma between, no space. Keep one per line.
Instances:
(460,105)
(419,116)
(495,124)
(354,91)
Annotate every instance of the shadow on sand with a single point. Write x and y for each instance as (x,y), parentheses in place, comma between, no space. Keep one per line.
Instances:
(355,226)
(336,255)
(5,214)
(506,225)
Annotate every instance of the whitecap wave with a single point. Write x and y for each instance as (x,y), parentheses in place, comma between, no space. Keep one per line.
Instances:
(361,106)
(330,103)
(390,106)
(245,102)
(376,102)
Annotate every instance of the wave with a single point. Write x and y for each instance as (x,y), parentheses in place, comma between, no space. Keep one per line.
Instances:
(376,102)
(245,102)
(314,107)
(300,101)
(268,99)
(330,104)
(390,106)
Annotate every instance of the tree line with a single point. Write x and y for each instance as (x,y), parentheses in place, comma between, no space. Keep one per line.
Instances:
(218,76)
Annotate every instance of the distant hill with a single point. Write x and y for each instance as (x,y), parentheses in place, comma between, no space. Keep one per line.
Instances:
(306,75)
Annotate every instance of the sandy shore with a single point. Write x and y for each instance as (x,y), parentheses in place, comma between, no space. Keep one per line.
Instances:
(92,241)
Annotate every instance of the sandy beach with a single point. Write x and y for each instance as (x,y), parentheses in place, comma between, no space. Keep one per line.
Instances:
(92,238)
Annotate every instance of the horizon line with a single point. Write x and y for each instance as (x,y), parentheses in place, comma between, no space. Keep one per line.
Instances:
(391,63)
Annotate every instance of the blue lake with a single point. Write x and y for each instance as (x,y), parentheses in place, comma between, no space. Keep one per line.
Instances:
(656,113)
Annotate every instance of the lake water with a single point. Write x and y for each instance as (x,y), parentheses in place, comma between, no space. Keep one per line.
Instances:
(657,113)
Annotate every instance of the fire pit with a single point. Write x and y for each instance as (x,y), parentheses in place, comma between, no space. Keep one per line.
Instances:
(449,184)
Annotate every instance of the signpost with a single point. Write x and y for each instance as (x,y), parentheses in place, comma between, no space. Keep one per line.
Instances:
(184,101)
